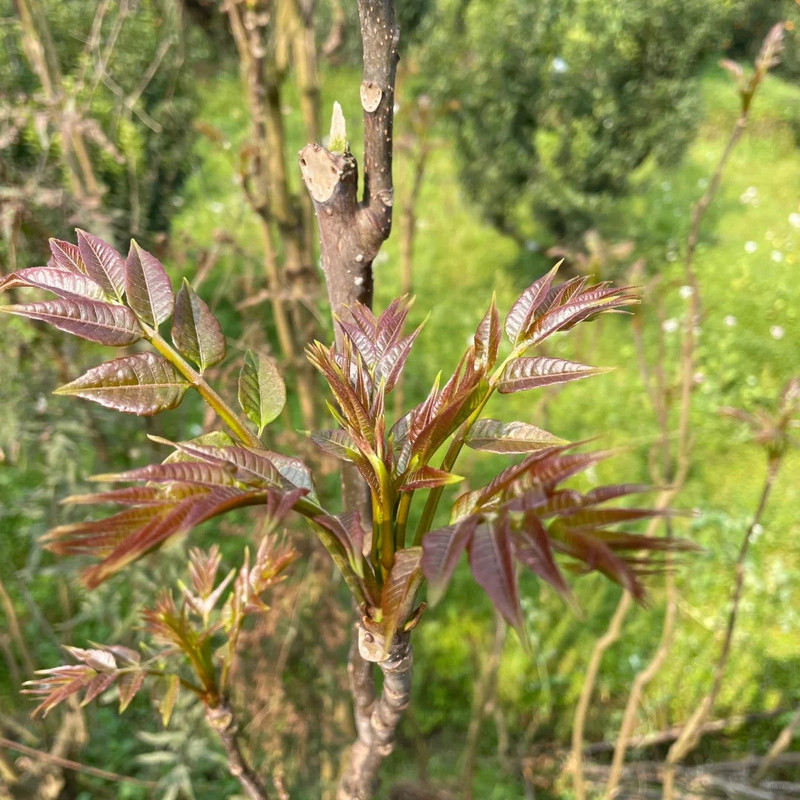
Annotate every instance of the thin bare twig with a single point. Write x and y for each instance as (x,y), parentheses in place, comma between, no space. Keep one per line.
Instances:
(485,690)
(223,723)
(603,643)
(76,766)
(688,740)
(778,747)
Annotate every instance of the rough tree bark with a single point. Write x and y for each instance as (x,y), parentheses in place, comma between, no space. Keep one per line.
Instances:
(351,235)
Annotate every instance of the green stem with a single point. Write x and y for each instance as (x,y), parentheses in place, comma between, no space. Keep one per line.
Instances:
(376,530)
(188,685)
(223,410)
(401,520)
(387,539)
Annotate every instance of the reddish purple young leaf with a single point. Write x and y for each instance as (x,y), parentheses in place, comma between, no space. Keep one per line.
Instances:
(98,685)
(441,550)
(250,466)
(510,475)
(62,282)
(142,384)
(533,373)
(597,555)
(185,515)
(554,469)
(124,655)
(354,403)
(579,307)
(103,264)
(337,443)
(465,505)
(99,660)
(620,542)
(594,518)
(602,494)
(494,436)
(57,684)
(293,470)
(104,323)
(256,467)
(428,478)
(67,256)
(443,411)
(363,341)
(349,532)
(734,68)
(195,330)
(487,337)
(100,536)
(192,472)
(532,549)
(491,559)
(391,364)
(129,496)
(147,286)
(523,310)
(129,685)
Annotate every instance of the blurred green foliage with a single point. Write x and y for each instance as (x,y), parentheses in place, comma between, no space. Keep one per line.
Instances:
(125,76)
(554,106)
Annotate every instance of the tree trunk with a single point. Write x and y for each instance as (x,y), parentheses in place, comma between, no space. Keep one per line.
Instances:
(351,235)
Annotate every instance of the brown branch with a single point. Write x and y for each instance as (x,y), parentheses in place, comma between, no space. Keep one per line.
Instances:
(376,741)
(778,747)
(266,184)
(223,723)
(338,32)
(682,457)
(75,766)
(351,235)
(640,682)
(692,732)
(669,735)
(603,643)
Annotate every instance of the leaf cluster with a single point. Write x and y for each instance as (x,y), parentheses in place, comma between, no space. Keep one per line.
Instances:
(200,632)
(524,516)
